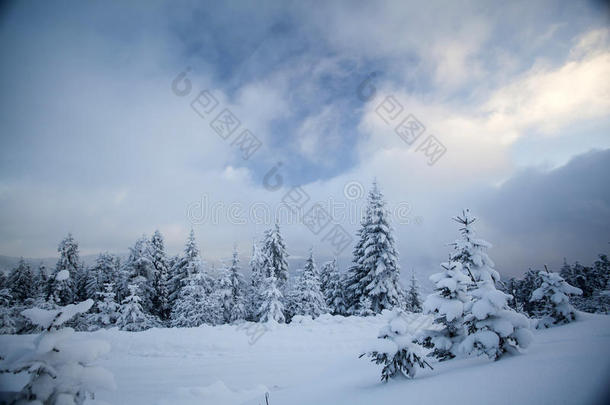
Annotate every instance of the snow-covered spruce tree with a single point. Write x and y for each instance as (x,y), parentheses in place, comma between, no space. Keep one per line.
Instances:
(334,290)
(413,300)
(272,307)
(493,327)
(397,350)
(7,324)
(446,304)
(195,306)
(307,298)
(107,308)
(326,272)
(131,317)
(257,278)
(41,279)
(61,370)
(232,292)
(553,295)
(375,272)
(189,264)
(21,282)
(138,270)
(63,291)
(275,256)
(99,274)
(158,257)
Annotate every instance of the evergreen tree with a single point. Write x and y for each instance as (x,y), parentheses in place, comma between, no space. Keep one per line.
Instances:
(553,294)
(397,350)
(64,291)
(138,270)
(257,279)
(493,327)
(326,273)
(107,308)
(189,264)
(446,304)
(334,289)
(21,281)
(60,369)
(307,298)
(7,324)
(232,287)
(41,280)
(275,256)
(272,308)
(100,273)
(160,300)
(131,317)
(195,306)
(413,301)
(375,273)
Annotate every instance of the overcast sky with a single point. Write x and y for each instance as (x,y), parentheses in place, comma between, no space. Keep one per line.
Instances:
(98,136)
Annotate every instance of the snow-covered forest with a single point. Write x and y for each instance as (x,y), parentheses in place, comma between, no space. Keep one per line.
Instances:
(470,313)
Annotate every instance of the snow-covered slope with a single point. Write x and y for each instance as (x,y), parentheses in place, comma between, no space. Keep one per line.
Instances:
(316,362)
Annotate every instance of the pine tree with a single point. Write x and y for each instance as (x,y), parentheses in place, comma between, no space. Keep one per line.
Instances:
(7,324)
(397,350)
(108,309)
(64,291)
(334,289)
(21,281)
(195,306)
(493,327)
(446,304)
(190,263)
(307,298)
(375,272)
(138,270)
(413,301)
(257,279)
(100,273)
(275,256)
(41,279)
(326,273)
(160,300)
(60,369)
(272,308)
(553,295)
(131,317)
(232,287)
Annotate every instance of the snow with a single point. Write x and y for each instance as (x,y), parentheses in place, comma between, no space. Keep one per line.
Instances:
(316,362)
(62,275)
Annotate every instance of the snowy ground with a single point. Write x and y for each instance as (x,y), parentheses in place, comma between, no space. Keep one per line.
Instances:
(316,362)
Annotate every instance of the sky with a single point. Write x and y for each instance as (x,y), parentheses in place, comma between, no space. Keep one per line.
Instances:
(113,123)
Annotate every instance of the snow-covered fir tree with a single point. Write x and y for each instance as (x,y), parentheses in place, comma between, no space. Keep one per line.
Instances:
(326,271)
(257,279)
(446,304)
(334,293)
(272,307)
(41,279)
(61,370)
(397,350)
(64,291)
(131,317)
(276,258)
(189,264)
(138,270)
(21,282)
(100,273)
(307,297)
(375,272)
(7,324)
(493,327)
(413,300)
(553,295)
(233,287)
(195,305)
(107,308)
(158,257)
